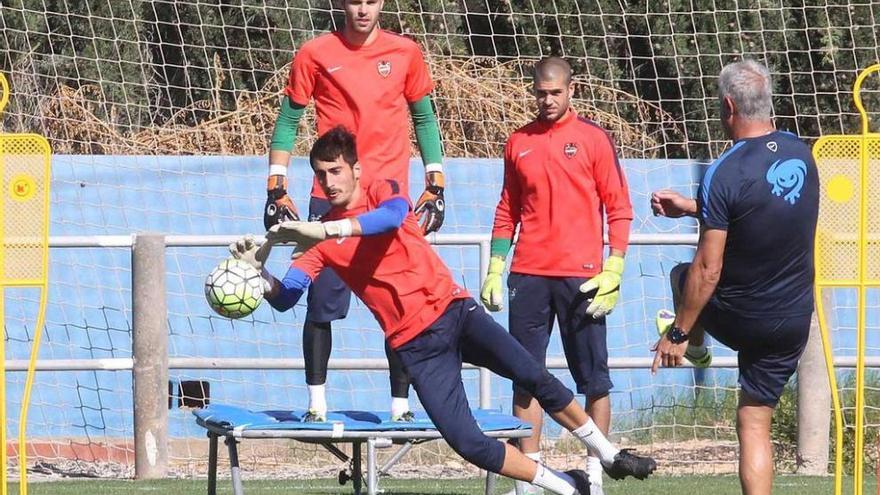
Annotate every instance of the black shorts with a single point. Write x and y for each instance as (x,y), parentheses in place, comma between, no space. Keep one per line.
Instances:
(535,302)
(329,298)
(768,349)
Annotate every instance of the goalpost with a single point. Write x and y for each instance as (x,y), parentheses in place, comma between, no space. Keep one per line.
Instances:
(160,114)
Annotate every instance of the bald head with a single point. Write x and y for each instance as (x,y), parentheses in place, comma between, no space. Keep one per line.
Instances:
(553,88)
(551,69)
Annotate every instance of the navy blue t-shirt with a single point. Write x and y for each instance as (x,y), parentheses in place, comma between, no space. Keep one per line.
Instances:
(764,192)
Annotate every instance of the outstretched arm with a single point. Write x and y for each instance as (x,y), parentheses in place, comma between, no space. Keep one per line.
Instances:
(388,216)
(668,203)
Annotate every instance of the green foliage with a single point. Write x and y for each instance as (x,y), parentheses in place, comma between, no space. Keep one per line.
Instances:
(784,429)
(150,59)
(872,418)
(702,413)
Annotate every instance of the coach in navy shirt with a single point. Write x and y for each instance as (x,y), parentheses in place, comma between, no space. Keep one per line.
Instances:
(750,284)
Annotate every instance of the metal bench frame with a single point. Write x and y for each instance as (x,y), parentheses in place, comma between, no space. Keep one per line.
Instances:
(328,439)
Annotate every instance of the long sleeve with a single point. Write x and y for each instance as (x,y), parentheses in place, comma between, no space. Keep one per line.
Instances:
(614,194)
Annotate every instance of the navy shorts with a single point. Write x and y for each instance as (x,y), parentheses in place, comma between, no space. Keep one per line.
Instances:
(535,302)
(768,349)
(466,333)
(329,298)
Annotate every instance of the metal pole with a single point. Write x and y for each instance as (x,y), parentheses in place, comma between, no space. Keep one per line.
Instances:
(485,375)
(150,352)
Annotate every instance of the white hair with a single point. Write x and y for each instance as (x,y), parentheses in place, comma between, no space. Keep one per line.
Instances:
(748,84)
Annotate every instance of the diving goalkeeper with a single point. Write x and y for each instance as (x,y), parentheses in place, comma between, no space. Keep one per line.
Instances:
(373,240)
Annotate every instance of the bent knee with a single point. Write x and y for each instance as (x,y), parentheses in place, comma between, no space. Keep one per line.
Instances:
(484,452)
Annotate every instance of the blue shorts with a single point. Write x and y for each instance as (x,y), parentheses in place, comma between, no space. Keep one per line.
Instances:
(466,333)
(768,349)
(329,298)
(535,302)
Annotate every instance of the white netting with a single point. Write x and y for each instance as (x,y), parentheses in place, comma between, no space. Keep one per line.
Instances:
(169,79)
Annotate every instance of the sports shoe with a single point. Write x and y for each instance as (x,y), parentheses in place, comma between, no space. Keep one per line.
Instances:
(407,417)
(314,416)
(581,481)
(627,464)
(700,357)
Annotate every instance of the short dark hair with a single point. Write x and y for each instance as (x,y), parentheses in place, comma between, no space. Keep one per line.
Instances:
(551,68)
(336,142)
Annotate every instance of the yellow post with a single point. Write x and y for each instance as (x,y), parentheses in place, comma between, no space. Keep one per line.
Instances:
(24,255)
(844,255)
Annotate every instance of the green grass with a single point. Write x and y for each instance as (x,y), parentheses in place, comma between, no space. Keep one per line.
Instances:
(661,485)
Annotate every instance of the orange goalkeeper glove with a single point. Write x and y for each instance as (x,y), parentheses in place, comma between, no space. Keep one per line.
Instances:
(430,207)
(279,207)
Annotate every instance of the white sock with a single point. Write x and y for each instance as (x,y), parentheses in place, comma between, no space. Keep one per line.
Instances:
(591,436)
(554,481)
(594,470)
(317,399)
(399,405)
(525,486)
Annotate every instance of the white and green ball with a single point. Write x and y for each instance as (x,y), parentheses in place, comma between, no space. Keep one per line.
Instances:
(234,289)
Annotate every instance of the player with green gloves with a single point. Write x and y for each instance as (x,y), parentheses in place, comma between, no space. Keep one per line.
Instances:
(373,82)
(561,177)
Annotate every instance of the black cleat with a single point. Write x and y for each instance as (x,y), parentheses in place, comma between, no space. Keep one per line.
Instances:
(581,481)
(627,464)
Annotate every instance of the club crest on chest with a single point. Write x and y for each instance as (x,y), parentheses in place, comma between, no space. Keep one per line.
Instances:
(384,68)
(570,150)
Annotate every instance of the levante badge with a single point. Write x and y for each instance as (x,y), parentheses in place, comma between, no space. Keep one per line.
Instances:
(384,68)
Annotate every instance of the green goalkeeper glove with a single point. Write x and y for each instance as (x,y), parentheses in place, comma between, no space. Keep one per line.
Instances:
(607,287)
(491,294)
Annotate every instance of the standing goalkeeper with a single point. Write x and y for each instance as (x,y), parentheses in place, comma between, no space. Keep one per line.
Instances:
(560,175)
(370,81)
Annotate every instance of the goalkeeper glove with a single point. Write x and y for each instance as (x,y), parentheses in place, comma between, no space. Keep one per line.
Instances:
(430,207)
(607,287)
(307,234)
(491,292)
(246,249)
(279,207)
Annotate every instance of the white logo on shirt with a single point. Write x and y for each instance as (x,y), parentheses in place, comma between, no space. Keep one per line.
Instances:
(384,68)
(772,146)
(331,70)
(341,240)
(524,153)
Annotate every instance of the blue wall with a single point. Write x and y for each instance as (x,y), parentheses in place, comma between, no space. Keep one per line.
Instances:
(90,311)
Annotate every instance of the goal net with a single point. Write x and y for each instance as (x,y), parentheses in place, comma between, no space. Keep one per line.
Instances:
(160,113)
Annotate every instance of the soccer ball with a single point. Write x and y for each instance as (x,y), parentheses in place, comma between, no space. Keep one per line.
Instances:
(234,289)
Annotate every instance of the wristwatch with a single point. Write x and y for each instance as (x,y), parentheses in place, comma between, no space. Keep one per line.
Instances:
(676,335)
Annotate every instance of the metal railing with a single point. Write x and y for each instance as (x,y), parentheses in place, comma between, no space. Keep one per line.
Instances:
(152,355)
